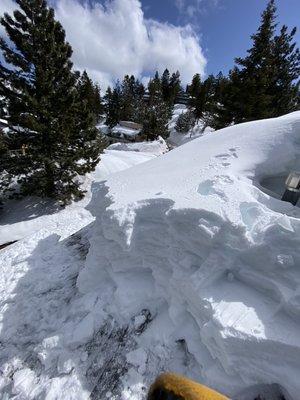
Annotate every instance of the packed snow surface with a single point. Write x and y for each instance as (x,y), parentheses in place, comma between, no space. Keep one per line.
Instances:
(192,265)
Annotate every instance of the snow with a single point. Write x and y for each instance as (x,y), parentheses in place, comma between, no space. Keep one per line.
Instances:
(23,218)
(119,130)
(3,122)
(185,263)
(178,138)
(157,147)
(215,255)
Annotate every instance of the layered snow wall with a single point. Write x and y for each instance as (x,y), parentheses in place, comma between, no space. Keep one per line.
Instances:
(193,238)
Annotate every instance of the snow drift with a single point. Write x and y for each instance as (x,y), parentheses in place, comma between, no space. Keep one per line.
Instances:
(191,265)
(190,237)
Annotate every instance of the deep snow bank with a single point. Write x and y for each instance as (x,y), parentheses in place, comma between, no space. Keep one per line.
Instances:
(54,342)
(191,238)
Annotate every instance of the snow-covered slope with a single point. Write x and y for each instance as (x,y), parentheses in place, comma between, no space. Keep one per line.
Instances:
(178,138)
(190,265)
(23,218)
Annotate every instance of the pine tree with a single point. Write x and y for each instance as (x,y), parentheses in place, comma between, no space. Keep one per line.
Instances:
(170,88)
(155,86)
(249,96)
(5,160)
(3,151)
(221,113)
(194,88)
(175,87)
(2,144)
(185,122)
(252,98)
(165,85)
(87,90)
(286,70)
(263,84)
(113,106)
(127,98)
(194,91)
(156,117)
(98,108)
(44,109)
(131,99)
(201,96)
(139,102)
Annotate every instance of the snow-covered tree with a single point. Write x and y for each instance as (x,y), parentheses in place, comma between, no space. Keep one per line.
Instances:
(90,92)
(185,122)
(156,116)
(112,106)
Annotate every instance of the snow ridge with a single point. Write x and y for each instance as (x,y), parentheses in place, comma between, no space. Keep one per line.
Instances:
(220,290)
(216,263)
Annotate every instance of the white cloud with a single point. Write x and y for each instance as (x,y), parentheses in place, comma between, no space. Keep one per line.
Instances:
(190,9)
(180,4)
(114,39)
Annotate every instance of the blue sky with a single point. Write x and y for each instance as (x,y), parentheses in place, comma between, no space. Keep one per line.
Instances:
(224,26)
(111,38)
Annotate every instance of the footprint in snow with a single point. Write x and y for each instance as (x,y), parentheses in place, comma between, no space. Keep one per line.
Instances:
(226,156)
(233,152)
(207,188)
(223,156)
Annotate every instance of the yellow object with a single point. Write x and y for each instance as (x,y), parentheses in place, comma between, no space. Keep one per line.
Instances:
(171,386)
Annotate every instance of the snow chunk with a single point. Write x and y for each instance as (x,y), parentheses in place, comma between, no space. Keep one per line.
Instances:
(24,381)
(83,331)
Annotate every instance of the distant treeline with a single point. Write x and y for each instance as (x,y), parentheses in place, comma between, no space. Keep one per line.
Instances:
(264,84)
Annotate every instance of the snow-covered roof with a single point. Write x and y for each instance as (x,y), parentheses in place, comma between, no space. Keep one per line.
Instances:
(121,130)
(131,125)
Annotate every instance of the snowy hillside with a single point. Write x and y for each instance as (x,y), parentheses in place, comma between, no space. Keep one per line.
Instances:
(179,138)
(22,218)
(192,265)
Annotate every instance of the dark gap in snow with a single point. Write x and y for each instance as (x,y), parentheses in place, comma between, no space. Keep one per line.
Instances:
(2,246)
(79,241)
(275,185)
(263,392)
